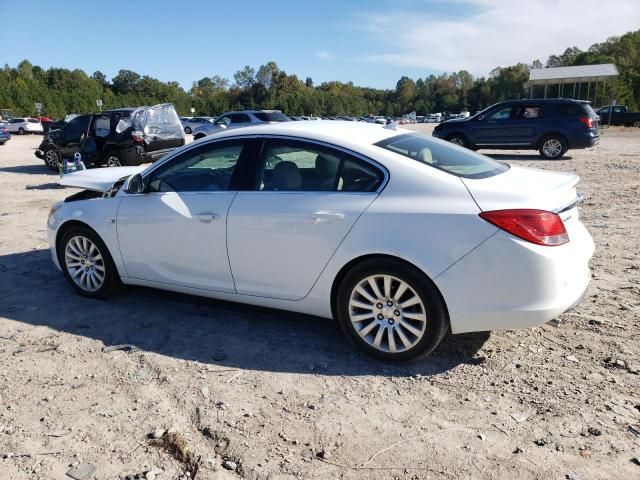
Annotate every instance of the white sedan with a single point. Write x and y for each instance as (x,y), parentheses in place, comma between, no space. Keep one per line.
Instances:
(399,236)
(24,125)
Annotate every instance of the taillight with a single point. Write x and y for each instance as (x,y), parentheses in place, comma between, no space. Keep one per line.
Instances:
(137,136)
(535,226)
(588,122)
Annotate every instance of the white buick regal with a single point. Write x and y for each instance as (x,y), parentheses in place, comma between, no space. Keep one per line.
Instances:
(399,236)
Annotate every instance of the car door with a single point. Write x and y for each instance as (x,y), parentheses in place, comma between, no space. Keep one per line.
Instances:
(175,233)
(526,124)
(492,128)
(74,134)
(304,199)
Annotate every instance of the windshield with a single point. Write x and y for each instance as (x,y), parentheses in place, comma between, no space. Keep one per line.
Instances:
(455,160)
(271,116)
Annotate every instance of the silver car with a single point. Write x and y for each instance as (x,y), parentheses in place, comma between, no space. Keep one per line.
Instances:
(239,119)
(191,124)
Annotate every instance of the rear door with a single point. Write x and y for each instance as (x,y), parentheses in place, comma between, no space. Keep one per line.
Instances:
(75,133)
(305,198)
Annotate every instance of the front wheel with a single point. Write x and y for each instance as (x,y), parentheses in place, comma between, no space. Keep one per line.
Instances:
(391,310)
(21,131)
(52,158)
(636,124)
(86,263)
(553,147)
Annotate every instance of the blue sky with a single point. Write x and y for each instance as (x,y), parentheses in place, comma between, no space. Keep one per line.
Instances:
(370,42)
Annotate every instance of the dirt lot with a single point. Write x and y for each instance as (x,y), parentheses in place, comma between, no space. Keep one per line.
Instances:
(285,396)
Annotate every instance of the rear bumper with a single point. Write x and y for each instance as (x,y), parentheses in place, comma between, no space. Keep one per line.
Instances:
(585,140)
(508,283)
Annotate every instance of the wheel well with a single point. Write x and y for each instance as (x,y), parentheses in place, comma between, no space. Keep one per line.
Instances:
(553,134)
(65,227)
(459,134)
(352,263)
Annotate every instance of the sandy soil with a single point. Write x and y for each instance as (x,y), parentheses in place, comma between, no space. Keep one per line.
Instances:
(285,396)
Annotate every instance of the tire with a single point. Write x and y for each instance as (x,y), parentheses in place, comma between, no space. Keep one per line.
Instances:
(198,136)
(553,147)
(52,158)
(187,130)
(363,321)
(98,276)
(21,131)
(114,158)
(459,140)
(636,124)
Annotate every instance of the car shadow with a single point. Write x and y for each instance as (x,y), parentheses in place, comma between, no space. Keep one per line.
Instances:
(29,169)
(45,186)
(203,330)
(523,157)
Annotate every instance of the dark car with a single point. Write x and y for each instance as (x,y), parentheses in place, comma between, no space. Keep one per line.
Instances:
(551,126)
(5,136)
(124,136)
(618,115)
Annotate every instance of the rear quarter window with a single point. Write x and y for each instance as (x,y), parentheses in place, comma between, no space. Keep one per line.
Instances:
(443,156)
(572,110)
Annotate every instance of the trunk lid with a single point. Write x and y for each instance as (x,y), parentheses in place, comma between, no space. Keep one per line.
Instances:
(522,187)
(98,179)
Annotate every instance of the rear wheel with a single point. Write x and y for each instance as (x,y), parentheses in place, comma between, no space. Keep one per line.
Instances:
(86,263)
(187,130)
(21,131)
(636,124)
(391,310)
(553,147)
(459,140)
(52,158)
(114,158)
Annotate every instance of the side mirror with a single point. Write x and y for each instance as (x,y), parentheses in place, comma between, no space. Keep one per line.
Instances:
(136,185)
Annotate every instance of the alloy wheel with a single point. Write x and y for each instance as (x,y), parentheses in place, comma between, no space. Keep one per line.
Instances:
(387,313)
(457,141)
(552,147)
(113,161)
(51,157)
(85,263)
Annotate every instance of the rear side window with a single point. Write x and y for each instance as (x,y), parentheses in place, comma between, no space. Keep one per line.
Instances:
(572,110)
(33,120)
(291,165)
(240,118)
(443,156)
(271,117)
(525,112)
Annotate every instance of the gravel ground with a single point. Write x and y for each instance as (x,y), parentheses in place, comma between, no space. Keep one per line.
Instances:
(280,395)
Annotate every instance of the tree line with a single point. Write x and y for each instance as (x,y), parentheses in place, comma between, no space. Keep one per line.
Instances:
(63,91)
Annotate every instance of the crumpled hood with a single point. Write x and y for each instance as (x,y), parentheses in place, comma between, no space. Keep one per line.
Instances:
(98,179)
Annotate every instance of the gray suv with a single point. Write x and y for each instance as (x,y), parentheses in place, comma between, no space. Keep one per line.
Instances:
(237,119)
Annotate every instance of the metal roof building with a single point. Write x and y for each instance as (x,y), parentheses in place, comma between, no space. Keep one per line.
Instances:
(575,76)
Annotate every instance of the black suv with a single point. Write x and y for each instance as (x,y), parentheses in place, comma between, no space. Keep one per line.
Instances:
(551,126)
(124,136)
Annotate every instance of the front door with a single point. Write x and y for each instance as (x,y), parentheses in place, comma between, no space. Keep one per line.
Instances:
(175,233)
(305,199)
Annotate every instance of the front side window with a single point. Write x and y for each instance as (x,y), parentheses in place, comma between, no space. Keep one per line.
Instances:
(205,169)
(443,156)
(226,120)
(500,114)
(292,165)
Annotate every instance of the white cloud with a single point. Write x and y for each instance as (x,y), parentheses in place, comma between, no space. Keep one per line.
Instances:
(484,34)
(324,55)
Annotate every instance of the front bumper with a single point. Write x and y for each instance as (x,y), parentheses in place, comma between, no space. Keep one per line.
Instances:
(508,283)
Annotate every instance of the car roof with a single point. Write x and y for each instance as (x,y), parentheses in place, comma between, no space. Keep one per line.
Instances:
(330,131)
(546,100)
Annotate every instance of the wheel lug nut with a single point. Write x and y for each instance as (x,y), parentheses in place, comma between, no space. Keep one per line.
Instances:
(391,321)
(389,303)
(379,305)
(397,313)
(380,317)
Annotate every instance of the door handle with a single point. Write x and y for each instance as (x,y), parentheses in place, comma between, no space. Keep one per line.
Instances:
(207,217)
(327,216)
